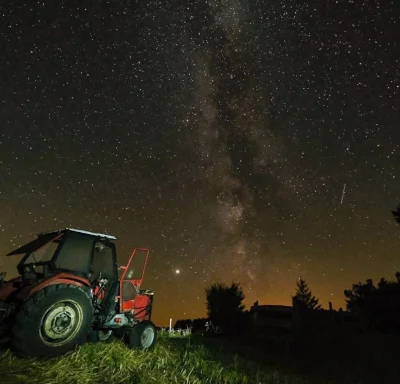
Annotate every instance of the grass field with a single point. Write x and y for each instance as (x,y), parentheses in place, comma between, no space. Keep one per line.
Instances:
(171,361)
(201,360)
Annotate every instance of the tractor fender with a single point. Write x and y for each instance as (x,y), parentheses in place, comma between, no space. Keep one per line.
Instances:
(61,278)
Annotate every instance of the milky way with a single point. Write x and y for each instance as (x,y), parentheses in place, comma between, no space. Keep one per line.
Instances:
(218,133)
(230,131)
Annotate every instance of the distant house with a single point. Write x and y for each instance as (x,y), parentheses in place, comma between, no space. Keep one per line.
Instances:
(274,319)
(283,319)
(273,323)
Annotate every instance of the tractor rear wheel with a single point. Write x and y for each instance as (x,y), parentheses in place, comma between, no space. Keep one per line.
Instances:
(143,335)
(52,321)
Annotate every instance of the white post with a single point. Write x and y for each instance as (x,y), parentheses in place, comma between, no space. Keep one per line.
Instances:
(170,325)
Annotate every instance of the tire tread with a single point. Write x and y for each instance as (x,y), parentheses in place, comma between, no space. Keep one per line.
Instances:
(21,324)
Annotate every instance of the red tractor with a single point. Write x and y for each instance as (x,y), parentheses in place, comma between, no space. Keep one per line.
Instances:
(69,291)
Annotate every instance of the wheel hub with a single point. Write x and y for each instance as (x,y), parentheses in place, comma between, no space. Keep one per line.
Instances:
(61,322)
(147,338)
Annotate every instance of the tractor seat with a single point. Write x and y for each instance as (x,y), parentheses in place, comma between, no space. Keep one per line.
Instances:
(129,292)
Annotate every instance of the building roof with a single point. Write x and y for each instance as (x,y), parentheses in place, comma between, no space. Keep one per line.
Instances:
(272,308)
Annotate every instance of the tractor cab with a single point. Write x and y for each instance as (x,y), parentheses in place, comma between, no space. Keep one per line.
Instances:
(82,253)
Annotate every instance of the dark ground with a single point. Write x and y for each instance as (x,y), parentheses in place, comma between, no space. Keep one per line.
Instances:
(355,358)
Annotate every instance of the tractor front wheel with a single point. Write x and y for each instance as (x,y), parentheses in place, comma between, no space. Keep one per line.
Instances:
(143,335)
(52,321)
(100,335)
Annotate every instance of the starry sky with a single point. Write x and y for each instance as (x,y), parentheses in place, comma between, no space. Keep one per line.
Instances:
(252,141)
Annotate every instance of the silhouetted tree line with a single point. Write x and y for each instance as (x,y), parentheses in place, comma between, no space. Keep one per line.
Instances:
(225,309)
(377,306)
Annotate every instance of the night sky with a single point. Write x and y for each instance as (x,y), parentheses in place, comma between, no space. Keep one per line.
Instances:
(252,141)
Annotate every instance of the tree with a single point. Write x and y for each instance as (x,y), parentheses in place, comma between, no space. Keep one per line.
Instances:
(396,214)
(225,305)
(376,306)
(359,295)
(304,298)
